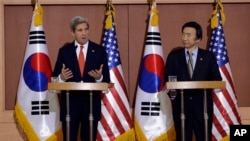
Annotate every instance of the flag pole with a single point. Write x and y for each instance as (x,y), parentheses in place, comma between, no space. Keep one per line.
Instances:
(109,3)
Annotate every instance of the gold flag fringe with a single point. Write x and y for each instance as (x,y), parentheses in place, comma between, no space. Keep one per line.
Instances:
(38,19)
(226,138)
(58,136)
(27,128)
(168,136)
(127,136)
(138,131)
(214,19)
(25,124)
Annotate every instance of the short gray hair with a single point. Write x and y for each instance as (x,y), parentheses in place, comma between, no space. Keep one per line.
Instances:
(76,21)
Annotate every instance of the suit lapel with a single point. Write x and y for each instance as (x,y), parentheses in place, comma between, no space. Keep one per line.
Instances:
(199,62)
(184,66)
(72,54)
(89,58)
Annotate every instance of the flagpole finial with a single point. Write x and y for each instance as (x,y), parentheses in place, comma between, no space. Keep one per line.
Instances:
(214,20)
(109,1)
(34,1)
(110,13)
(154,11)
(38,15)
(151,1)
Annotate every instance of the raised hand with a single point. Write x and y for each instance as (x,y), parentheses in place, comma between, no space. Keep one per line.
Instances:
(66,73)
(97,73)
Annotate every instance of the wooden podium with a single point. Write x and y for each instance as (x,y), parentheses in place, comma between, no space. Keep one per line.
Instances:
(79,86)
(181,85)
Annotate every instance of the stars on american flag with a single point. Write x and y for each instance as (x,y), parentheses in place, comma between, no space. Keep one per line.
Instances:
(110,42)
(218,45)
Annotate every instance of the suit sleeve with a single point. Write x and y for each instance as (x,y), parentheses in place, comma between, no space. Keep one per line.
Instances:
(58,65)
(169,67)
(214,69)
(105,71)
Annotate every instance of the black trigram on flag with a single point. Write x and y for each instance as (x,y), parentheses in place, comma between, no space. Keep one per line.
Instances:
(150,108)
(37,37)
(153,38)
(39,107)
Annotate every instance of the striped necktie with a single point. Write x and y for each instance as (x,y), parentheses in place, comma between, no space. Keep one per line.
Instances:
(190,64)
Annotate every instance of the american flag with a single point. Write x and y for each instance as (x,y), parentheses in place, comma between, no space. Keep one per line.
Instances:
(225,102)
(116,121)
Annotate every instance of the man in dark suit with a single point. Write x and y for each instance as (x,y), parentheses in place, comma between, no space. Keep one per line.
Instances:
(203,68)
(94,69)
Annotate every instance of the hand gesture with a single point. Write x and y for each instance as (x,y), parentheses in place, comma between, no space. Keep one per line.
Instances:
(97,73)
(66,73)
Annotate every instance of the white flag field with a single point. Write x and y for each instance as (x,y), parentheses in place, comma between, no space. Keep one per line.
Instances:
(37,109)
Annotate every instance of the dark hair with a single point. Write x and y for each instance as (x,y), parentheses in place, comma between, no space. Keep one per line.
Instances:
(196,26)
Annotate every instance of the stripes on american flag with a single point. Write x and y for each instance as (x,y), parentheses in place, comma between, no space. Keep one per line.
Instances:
(116,116)
(225,102)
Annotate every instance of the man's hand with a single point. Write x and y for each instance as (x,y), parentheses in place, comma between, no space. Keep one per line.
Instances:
(97,73)
(66,73)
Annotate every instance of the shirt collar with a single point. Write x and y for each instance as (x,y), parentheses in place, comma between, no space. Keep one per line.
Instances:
(85,45)
(194,52)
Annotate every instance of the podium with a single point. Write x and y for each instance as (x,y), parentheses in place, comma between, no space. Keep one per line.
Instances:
(181,85)
(79,86)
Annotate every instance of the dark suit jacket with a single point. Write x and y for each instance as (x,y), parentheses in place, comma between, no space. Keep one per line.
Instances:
(79,100)
(206,69)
